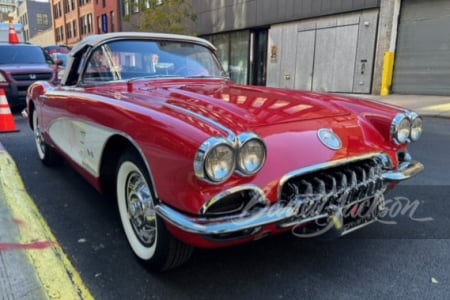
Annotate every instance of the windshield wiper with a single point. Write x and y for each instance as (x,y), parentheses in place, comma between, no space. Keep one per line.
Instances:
(205,76)
(154,76)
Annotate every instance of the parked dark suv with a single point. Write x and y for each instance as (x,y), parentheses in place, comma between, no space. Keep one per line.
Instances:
(20,66)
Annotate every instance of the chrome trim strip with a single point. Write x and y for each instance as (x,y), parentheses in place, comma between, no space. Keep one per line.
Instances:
(406,170)
(205,226)
(233,190)
(231,135)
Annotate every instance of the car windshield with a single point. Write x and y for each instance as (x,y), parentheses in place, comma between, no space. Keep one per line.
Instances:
(125,60)
(21,54)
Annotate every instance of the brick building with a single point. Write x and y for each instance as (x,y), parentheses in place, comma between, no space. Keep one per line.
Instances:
(75,19)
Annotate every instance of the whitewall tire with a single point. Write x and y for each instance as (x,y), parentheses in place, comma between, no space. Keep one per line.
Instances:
(146,233)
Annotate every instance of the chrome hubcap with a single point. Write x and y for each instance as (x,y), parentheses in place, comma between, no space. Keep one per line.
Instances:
(140,209)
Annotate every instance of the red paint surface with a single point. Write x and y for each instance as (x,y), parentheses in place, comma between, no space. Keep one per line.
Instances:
(41,245)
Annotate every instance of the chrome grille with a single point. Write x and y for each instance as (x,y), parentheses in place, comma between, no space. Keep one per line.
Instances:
(32,76)
(339,186)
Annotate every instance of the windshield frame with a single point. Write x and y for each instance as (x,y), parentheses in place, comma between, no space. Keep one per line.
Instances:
(116,56)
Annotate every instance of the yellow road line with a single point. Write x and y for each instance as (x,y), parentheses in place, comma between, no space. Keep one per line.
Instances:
(54,271)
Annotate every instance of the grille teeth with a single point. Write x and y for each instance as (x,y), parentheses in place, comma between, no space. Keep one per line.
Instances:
(340,185)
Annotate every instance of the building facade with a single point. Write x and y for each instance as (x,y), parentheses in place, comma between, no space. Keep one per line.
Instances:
(76,19)
(44,38)
(35,16)
(337,46)
(7,9)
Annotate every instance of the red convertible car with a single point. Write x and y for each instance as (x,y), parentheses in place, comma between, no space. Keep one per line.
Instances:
(195,160)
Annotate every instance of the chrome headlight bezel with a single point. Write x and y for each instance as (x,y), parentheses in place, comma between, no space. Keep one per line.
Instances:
(236,164)
(204,154)
(416,126)
(245,140)
(401,129)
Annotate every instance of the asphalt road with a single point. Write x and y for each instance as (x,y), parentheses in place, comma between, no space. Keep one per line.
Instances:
(408,256)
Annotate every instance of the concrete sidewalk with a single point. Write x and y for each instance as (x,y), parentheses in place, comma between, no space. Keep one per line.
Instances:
(33,265)
(430,106)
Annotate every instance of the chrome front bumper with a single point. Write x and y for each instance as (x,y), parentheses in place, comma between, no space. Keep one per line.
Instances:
(285,217)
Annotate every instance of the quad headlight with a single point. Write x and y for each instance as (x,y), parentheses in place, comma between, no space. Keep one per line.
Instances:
(416,126)
(215,160)
(406,127)
(218,158)
(251,155)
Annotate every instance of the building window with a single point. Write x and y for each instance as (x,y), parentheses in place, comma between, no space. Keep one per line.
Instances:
(59,34)
(90,23)
(111,17)
(99,25)
(69,30)
(104,3)
(66,6)
(126,8)
(233,51)
(136,6)
(41,19)
(74,26)
(55,11)
(72,2)
(83,25)
(59,9)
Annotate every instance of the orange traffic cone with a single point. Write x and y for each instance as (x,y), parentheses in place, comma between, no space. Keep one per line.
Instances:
(13,37)
(7,123)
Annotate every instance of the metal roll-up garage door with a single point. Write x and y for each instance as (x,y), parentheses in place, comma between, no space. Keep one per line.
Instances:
(422,64)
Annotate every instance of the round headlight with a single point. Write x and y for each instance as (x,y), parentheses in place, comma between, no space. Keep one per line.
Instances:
(416,127)
(219,163)
(401,128)
(251,157)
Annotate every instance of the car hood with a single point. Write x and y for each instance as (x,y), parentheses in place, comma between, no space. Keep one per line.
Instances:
(241,107)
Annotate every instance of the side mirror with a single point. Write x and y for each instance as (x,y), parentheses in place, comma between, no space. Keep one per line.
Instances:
(59,62)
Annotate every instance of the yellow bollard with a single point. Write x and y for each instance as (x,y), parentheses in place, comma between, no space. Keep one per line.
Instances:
(388,70)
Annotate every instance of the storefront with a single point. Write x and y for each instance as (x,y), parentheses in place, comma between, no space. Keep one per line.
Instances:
(322,45)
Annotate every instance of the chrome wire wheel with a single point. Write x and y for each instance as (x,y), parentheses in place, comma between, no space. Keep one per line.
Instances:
(38,138)
(136,210)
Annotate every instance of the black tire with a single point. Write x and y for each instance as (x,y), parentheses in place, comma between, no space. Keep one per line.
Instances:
(146,232)
(47,154)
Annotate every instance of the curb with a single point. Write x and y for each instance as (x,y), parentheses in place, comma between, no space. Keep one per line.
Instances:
(54,272)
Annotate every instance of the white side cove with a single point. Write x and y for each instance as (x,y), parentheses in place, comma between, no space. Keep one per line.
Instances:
(83,142)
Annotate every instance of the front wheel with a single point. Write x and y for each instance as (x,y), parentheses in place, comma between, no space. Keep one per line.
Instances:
(147,235)
(47,154)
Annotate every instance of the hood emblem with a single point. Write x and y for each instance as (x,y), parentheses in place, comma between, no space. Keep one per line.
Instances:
(329,139)
(32,76)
